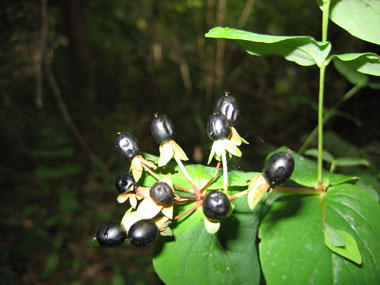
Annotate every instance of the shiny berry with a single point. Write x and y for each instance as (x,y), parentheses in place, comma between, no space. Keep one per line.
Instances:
(216,206)
(162,128)
(126,145)
(143,233)
(218,127)
(161,193)
(110,235)
(227,106)
(124,182)
(278,168)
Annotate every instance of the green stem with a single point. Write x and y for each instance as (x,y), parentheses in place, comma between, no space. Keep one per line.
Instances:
(225,171)
(188,177)
(329,114)
(325,21)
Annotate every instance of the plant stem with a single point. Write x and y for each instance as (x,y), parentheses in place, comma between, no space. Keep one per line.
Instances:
(325,21)
(329,114)
(188,211)
(188,177)
(225,171)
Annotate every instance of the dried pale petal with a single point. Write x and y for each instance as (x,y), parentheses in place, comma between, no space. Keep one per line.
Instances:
(256,190)
(232,148)
(142,192)
(166,232)
(178,152)
(211,227)
(168,212)
(148,209)
(133,201)
(236,138)
(121,198)
(136,167)
(168,181)
(129,219)
(166,153)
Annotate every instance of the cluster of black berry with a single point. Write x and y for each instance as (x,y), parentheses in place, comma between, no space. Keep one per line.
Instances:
(151,210)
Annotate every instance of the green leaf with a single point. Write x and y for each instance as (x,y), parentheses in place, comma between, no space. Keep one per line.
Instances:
(333,237)
(326,156)
(302,50)
(349,250)
(366,63)
(292,248)
(360,18)
(353,76)
(351,161)
(197,257)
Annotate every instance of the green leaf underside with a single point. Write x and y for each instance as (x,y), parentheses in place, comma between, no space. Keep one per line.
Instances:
(292,248)
(326,156)
(351,161)
(303,50)
(333,237)
(349,250)
(366,63)
(361,18)
(197,257)
(351,74)
(305,172)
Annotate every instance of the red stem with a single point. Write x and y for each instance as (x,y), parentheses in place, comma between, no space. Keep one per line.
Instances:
(212,179)
(188,211)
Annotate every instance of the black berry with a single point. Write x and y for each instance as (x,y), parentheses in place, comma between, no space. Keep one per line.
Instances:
(227,106)
(218,127)
(127,145)
(162,129)
(123,182)
(110,235)
(278,168)
(143,232)
(161,193)
(216,206)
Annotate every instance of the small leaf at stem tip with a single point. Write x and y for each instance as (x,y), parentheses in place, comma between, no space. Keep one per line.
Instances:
(211,227)
(256,190)
(350,249)
(333,236)
(166,153)
(178,152)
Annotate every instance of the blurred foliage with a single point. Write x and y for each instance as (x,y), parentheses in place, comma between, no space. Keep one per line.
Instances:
(117,63)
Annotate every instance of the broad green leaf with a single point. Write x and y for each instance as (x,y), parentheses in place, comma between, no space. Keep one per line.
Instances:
(326,156)
(369,189)
(333,236)
(360,18)
(349,250)
(351,74)
(193,256)
(302,50)
(292,248)
(366,63)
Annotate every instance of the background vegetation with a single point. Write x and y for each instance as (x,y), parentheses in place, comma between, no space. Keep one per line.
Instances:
(109,65)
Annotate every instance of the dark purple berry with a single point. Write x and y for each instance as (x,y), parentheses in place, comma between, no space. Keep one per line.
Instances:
(218,127)
(127,145)
(161,193)
(162,129)
(143,233)
(124,182)
(216,206)
(278,168)
(110,235)
(227,106)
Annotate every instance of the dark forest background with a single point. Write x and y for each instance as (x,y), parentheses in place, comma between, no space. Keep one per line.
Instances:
(75,72)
